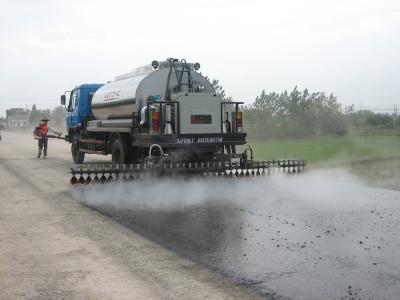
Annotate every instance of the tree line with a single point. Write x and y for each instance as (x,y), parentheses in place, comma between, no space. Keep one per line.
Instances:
(295,113)
(304,114)
(301,113)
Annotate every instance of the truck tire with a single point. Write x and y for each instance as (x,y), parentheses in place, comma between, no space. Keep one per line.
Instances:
(118,152)
(77,155)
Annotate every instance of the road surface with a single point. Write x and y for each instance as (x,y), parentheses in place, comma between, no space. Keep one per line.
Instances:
(322,235)
(53,247)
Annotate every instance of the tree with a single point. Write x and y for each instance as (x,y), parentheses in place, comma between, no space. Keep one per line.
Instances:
(219,90)
(58,116)
(367,119)
(33,118)
(37,114)
(295,113)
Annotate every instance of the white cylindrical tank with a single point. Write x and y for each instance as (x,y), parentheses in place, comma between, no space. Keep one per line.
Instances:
(116,99)
(128,93)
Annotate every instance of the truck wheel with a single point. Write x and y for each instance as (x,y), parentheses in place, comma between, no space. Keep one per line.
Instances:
(77,155)
(118,152)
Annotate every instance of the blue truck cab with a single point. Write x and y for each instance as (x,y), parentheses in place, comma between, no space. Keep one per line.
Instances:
(80,105)
(79,111)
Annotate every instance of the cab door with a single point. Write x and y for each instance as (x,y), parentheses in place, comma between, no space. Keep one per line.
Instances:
(73,115)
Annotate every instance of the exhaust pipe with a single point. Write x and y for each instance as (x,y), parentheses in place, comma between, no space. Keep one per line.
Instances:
(168,126)
(143,114)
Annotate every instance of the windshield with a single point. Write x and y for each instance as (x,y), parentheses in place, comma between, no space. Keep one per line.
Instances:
(72,100)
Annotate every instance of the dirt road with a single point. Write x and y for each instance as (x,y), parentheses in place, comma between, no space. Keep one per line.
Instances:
(53,247)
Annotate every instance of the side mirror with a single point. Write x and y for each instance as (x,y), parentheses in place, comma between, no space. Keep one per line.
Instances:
(63,100)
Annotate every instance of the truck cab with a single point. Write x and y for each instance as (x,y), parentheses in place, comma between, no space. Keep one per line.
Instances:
(79,105)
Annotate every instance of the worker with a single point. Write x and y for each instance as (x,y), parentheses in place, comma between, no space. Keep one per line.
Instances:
(40,133)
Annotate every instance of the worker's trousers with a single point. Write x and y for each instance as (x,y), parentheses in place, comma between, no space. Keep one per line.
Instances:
(42,143)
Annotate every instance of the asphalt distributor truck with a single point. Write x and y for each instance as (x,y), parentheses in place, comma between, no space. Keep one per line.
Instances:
(162,117)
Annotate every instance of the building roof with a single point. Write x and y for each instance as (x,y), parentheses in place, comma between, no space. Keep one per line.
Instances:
(17,112)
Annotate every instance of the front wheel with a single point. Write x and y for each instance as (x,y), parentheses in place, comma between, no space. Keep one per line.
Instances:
(77,155)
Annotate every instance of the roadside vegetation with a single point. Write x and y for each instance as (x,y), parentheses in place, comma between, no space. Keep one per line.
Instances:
(316,127)
(328,148)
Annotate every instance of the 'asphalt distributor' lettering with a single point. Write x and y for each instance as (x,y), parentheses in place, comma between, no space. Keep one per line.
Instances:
(210,140)
(185,141)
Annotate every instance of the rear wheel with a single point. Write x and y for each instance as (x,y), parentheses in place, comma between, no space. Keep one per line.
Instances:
(77,155)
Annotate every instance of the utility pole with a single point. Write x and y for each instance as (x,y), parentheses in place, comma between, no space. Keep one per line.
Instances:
(394,116)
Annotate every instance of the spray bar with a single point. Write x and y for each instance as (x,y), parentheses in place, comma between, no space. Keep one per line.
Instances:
(94,173)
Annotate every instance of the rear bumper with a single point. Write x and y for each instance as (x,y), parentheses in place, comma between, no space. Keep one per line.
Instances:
(188,141)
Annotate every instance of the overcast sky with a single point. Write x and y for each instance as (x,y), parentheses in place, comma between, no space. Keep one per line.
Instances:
(350,48)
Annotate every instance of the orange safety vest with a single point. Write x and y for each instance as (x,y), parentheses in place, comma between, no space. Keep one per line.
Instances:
(42,130)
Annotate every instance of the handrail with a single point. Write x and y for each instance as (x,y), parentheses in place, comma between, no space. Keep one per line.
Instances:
(160,102)
(236,103)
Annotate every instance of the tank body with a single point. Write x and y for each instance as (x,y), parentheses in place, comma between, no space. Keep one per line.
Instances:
(128,93)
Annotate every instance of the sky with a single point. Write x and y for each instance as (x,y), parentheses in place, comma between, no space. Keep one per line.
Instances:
(348,48)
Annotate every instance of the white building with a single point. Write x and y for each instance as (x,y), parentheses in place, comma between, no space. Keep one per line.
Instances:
(17,117)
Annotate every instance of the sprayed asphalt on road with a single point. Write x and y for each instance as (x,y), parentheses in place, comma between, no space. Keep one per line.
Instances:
(324,234)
